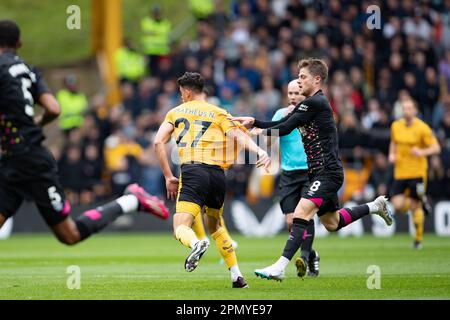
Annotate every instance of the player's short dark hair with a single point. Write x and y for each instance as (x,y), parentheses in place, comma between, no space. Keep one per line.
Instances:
(9,34)
(317,67)
(193,81)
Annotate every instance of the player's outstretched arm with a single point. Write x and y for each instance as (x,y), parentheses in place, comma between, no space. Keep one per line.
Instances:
(295,120)
(51,107)
(162,137)
(250,122)
(270,124)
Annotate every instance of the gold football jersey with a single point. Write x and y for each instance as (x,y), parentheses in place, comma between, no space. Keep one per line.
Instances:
(200,133)
(419,134)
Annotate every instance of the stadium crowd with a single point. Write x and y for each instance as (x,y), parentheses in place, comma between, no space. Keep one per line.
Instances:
(248,56)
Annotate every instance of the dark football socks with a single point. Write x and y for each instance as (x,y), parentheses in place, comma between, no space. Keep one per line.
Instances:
(308,242)
(95,220)
(349,215)
(297,236)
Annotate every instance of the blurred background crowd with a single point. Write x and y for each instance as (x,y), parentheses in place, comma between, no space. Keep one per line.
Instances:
(248,53)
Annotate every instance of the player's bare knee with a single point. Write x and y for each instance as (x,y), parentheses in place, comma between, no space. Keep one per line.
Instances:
(330,221)
(67,232)
(302,214)
(330,225)
(68,236)
(69,240)
(305,210)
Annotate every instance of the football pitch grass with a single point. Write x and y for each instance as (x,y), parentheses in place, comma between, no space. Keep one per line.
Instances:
(150,266)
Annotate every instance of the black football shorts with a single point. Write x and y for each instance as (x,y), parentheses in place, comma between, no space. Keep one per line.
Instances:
(201,185)
(415,187)
(291,187)
(32,176)
(323,191)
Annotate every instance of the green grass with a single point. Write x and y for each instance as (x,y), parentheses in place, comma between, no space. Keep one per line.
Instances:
(47,41)
(150,266)
(45,37)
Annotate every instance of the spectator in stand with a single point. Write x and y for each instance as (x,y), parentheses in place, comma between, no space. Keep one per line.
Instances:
(71,170)
(130,64)
(73,104)
(92,164)
(247,71)
(444,71)
(121,158)
(380,177)
(438,179)
(129,99)
(155,37)
(269,93)
(350,141)
(380,132)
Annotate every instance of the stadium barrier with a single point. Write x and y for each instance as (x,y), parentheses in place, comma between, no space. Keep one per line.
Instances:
(262,219)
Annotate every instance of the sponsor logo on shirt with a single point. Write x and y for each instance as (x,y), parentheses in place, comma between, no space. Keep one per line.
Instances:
(303,107)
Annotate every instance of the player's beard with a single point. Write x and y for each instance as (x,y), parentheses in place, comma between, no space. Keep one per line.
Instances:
(306,91)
